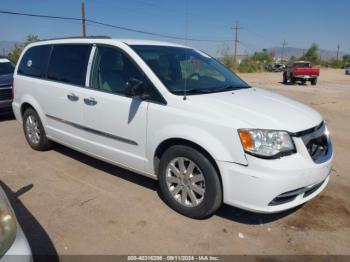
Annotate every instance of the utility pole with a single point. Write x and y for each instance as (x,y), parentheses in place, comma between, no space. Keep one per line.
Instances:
(83,17)
(236,28)
(283,46)
(338,47)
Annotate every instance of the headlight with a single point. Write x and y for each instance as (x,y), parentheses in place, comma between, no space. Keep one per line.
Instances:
(7,226)
(266,143)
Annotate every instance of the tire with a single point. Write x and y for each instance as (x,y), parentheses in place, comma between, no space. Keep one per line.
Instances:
(314,81)
(292,80)
(203,196)
(34,131)
(284,79)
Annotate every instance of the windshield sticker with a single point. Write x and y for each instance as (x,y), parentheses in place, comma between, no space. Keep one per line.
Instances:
(29,63)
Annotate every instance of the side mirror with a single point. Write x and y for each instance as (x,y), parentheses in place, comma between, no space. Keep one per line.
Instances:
(135,88)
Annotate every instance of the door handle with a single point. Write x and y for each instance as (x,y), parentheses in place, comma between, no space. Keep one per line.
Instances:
(73,97)
(90,101)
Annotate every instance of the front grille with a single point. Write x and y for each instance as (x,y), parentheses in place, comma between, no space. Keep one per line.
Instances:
(317,147)
(317,143)
(292,195)
(5,94)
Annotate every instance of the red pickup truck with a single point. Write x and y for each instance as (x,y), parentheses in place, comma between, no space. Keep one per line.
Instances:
(301,71)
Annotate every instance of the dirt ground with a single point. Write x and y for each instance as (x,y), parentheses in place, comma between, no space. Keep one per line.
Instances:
(69,203)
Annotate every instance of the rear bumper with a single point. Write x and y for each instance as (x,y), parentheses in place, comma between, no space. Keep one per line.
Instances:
(305,77)
(263,185)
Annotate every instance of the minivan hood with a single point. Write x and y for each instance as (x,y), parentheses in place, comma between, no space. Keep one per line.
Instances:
(259,108)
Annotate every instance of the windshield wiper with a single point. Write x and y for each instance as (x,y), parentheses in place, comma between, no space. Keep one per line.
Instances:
(228,88)
(208,91)
(192,91)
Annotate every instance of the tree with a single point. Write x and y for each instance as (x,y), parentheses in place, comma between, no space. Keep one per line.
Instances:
(311,54)
(249,66)
(264,56)
(17,50)
(346,59)
(334,63)
(225,57)
(292,58)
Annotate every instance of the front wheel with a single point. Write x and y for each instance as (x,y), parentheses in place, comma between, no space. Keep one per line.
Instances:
(34,131)
(285,80)
(189,182)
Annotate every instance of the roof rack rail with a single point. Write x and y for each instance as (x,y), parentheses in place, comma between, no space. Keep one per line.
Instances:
(79,37)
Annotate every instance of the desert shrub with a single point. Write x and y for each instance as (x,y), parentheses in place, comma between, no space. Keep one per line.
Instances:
(248,66)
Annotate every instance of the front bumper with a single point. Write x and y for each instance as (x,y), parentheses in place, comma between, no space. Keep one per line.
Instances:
(257,186)
(5,105)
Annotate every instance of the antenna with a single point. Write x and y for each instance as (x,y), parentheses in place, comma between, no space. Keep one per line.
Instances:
(186,37)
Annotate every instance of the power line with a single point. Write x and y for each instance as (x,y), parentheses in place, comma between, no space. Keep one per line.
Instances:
(247,46)
(214,19)
(113,26)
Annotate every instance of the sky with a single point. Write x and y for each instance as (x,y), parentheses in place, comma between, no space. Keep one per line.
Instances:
(264,23)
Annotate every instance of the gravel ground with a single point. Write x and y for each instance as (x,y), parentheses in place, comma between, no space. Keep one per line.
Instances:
(69,203)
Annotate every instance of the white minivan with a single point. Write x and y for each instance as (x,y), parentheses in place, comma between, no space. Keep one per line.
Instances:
(175,114)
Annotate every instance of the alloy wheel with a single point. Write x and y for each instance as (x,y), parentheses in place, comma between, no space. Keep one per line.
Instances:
(185,182)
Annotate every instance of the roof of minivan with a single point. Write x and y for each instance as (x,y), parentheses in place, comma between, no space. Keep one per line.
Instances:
(107,41)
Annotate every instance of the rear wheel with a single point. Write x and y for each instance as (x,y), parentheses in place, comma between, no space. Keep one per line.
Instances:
(34,131)
(314,81)
(189,183)
(292,80)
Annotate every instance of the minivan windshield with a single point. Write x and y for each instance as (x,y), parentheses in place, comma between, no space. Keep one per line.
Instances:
(182,69)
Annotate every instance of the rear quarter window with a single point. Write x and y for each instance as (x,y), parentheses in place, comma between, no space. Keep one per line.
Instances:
(34,61)
(68,63)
